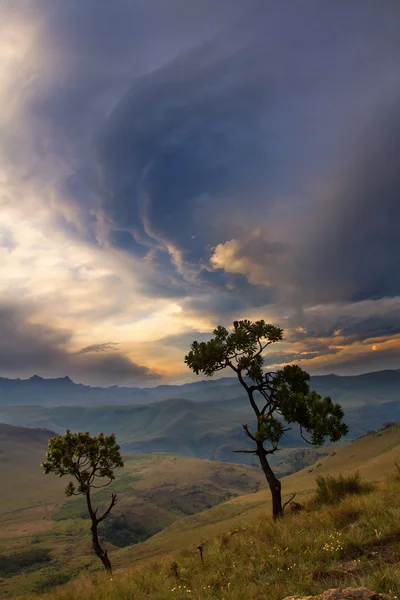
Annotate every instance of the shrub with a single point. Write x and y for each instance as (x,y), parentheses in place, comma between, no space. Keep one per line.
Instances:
(28,560)
(331,490)
(52,579)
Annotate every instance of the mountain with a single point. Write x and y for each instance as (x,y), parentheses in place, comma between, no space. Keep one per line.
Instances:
(176,425)
(359,390)
(204,419)
(351,391)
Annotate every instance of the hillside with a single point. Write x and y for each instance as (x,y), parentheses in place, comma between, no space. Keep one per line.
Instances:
(352,544)
(373,456)
(201,419)
(179,426)
(21,452)
(211,430)
(36,520)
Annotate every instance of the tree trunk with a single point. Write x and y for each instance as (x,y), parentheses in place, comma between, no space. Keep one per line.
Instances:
(102,554)
(273,482)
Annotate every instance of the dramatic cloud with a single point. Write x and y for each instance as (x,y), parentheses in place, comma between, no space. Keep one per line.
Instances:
(28,347)
(167,166)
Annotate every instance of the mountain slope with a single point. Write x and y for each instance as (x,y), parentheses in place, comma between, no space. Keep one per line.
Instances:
(175,425)
(373,456)
(357,390)
(21,452)
(153,491)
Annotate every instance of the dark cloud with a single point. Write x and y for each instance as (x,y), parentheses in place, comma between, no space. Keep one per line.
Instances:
(28,347)
(162,174)
(363,362)
(214,134)
(23,342)
(277,358)
(354,254)
(105,347)
(355,322)
(182,341)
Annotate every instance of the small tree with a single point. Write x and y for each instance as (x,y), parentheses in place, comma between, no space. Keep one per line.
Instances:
(91,461)
(284,394)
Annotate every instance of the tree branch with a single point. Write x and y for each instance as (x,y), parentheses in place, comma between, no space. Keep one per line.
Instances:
(247,451)
(112,503)
(246,428)
(262,347)
(289,501)
(272,450)
(305,439)
(242,381)
(97,487)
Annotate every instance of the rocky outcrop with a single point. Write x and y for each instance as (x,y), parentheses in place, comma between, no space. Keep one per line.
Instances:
(346,594)
(296,507)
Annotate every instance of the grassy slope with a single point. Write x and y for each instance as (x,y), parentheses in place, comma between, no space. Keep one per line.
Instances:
(21,452)
(154,490)
(355,543)
(372,456)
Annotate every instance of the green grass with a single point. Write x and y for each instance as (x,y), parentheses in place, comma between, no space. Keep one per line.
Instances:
(353,543)
(77,508)
(331,490)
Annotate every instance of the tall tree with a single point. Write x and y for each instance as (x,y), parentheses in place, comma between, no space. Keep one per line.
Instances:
(91,462)
(278,398)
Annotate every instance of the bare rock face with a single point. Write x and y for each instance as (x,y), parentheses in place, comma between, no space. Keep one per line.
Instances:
(346,594)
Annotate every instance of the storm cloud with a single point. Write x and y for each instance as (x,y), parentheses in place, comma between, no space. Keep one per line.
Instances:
(28,347)
(200,162)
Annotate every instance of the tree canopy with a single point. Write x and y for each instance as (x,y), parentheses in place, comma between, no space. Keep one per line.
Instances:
(87,459)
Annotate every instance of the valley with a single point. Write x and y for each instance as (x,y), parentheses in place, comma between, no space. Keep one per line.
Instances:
(202,419)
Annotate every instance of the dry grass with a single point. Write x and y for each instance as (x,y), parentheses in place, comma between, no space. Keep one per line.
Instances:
(354,543)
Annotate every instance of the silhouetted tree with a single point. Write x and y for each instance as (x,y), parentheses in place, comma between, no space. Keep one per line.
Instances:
(91,462)
(277,398)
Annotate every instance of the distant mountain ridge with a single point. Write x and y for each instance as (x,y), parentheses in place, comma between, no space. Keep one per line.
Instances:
(202,419)
(351,390)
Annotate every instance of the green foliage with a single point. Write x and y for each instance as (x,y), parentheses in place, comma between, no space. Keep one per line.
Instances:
(85,458)
(331,490)
(284,394)
(241,347)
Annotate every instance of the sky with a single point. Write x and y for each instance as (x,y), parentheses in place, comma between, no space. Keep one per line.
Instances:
(167,166)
